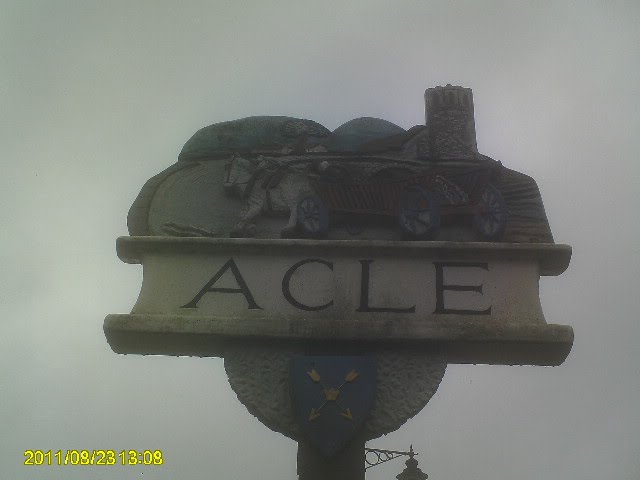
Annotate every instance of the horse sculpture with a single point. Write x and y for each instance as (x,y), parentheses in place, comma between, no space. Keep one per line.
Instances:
(269,187)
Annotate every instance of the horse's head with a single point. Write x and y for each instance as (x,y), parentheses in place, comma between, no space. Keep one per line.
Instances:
(238,172)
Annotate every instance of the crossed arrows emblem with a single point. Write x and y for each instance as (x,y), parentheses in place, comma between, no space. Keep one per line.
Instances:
(331,394)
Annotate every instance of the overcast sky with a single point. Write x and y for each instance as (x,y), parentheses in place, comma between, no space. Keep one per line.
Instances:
(97,97)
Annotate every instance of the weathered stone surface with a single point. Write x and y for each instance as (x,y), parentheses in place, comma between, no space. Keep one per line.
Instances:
(247,175)
(284,291)
(189,199)
(333,266)
(277,134)
(406,382)
(139,220)
(354,134)
(451,131)
(464,342)
(553,259)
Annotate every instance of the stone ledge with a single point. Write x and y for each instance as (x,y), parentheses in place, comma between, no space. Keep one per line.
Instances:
(553,258)
(460,340)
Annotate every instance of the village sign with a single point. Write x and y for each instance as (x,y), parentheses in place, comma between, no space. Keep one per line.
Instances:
(322,260)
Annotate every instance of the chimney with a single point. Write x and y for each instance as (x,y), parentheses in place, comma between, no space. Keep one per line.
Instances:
(451,128)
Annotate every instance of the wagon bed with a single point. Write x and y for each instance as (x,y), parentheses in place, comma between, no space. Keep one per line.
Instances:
(417,201)
(383,197)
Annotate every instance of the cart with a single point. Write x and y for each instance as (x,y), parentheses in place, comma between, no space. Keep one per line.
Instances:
(418,202)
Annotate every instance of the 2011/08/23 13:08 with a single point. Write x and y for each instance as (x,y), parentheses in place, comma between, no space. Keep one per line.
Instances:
(93,457)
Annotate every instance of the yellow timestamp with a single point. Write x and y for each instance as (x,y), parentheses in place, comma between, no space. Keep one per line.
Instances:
(93,457)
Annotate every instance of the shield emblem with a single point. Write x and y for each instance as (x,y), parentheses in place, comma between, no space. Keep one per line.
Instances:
(332,396)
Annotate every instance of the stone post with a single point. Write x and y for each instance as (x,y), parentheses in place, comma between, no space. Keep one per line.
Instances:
(347,464)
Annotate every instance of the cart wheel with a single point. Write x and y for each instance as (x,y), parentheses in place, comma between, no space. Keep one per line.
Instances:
(313,216)
(491,222)
(419,213)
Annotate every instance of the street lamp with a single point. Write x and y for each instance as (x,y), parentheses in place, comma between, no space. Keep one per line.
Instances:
(411,471)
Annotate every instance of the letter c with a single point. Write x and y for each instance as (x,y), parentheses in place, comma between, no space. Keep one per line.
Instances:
(286,288)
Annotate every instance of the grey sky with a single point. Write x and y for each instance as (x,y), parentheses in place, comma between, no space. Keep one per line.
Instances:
(99,96)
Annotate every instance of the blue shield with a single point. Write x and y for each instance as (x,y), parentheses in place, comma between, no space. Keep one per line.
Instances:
(332,397)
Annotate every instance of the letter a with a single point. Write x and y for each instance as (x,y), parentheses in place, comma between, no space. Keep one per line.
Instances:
(244,289)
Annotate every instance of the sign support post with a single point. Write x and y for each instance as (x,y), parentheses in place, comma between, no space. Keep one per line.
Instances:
(347,464)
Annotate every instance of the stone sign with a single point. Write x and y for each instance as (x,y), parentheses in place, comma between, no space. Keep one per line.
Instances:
(339,272)
(366,291)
